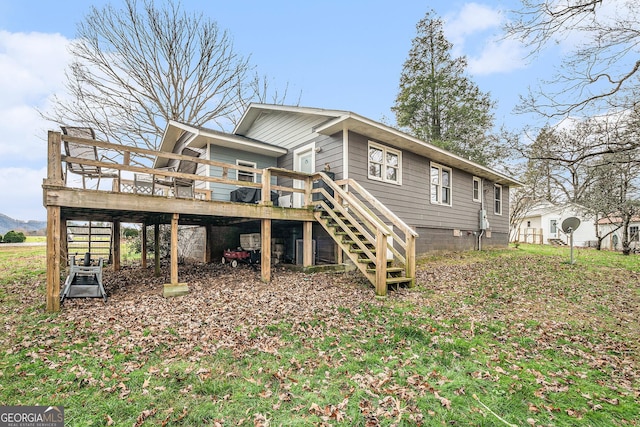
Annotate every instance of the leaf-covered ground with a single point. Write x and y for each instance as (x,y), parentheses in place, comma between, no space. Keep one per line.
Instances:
(502,338)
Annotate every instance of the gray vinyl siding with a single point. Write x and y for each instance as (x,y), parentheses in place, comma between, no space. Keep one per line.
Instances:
(411,200)
(330,152)
(228,155)
(285,129)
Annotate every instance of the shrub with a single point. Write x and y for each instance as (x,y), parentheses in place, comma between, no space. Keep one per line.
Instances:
(13,237)
(129,233)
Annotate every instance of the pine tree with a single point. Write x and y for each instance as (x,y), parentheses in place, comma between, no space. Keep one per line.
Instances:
(438,102)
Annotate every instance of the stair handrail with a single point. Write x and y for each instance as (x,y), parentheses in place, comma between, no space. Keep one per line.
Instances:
(393,218)
(357,205)
(366,215)
(409,244)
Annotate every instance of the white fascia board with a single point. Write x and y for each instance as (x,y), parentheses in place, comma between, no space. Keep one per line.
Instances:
(253,111)
(386,134)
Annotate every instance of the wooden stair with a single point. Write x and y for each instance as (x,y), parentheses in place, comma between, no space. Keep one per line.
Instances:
(557,242)
(364,237)
(91,237)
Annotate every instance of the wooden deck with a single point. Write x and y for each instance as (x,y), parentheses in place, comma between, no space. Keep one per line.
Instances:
(121,202)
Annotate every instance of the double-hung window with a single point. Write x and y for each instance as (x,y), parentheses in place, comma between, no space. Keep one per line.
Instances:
(440,185)
(477,189)
(384,163)
(633,234)
(497,197)
(246,176)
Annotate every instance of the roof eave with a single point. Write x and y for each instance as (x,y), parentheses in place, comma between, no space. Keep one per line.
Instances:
(388,134)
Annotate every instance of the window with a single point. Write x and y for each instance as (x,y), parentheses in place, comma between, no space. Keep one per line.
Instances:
(244,175)
(633,234)
(477,189)
(440,185)
(384,163)
(497,197)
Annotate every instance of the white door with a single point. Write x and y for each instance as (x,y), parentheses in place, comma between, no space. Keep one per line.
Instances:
(553,229)
(304,160)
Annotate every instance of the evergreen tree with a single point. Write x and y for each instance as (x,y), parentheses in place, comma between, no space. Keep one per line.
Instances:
(438,102)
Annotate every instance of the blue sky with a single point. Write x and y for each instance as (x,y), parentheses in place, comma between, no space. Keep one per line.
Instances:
(334,54)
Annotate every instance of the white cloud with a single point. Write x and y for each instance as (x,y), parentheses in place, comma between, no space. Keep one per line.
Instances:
(22,193)
(498,56)
(31,70)
(471,19)
(475,31)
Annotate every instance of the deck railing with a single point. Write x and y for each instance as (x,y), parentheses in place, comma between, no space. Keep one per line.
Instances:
(126,170)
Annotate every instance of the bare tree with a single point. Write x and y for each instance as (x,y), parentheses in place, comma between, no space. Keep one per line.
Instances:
(601,73)
(137,67)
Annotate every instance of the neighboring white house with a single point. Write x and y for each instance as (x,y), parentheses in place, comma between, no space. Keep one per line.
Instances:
(543,224)
(614,240)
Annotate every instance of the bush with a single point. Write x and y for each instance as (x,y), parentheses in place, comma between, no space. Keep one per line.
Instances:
(129,233)
(13,237)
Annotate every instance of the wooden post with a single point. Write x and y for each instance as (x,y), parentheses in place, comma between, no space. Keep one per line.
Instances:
(307,244)
(410,259)
(381,263)
(208,244)
(64,244)
(53,258)
(143,248)
(115,230)
(174,249)
(265,250)
(174,288)
(308,186)
(54,165)
(156,249)
(266,187)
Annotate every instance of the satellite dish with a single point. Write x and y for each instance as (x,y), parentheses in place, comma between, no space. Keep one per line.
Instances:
(570,224)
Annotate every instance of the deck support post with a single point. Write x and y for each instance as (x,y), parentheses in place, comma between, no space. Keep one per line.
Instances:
(174,248)
(381,263)
(156,249)
(64,243)
(53,258)
(307,244)
(208,244)
(265,250)
(115,230)
(143,248)
(175,288)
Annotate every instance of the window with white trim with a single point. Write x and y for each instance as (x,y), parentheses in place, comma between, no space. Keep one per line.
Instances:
(440,184)
(384,163)
(245,175)
(497,199)
(477,189)
(633,234)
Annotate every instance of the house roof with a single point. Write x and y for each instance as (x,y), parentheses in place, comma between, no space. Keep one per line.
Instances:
(199,137)
(545,208)
(338,120)
(617,220)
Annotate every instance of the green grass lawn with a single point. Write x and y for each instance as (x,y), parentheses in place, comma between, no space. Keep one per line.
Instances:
(506,337)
